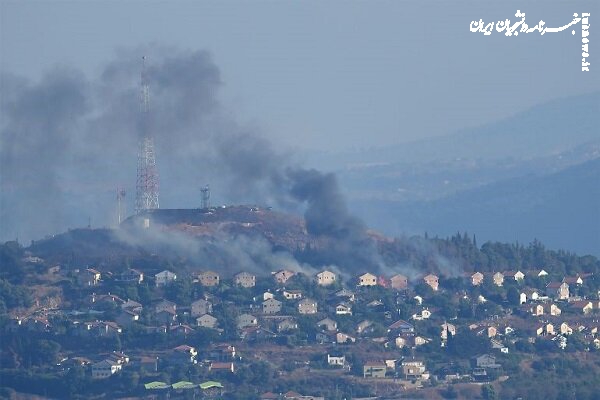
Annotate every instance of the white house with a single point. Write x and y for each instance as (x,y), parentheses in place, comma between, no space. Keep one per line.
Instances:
(423,314)
(245,279)
(477,279)
(343,309)
(325,278)
(209,278)
(271,306)
(268,295)
(341,337)
(433,281)
(498,278)
(367,279)
(514,275)
(164,277)
(89,277)
(201,307)
(105,369)
(307,306)
(292,294)
(336,360)
(282,276)
(327,324)
(522,298)
(246,320)
(206,321)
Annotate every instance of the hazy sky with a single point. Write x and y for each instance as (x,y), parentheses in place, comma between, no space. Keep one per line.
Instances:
(327,74)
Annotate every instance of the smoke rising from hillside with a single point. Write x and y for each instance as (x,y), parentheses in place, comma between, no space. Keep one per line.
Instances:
(327,214)
(226,254)
(68,141)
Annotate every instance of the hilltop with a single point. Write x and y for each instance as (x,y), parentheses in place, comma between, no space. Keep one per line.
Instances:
(280,230)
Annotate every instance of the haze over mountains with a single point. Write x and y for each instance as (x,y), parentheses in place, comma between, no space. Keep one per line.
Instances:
(545,129)
(560,209)
(533,175)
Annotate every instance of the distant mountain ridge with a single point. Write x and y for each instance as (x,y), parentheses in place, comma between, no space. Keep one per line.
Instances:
(539,131)
(561,209)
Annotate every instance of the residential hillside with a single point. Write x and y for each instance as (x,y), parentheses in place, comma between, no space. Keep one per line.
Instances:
(496,321)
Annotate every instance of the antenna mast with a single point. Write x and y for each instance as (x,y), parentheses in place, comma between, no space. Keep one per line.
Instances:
(146,196)
(205,197)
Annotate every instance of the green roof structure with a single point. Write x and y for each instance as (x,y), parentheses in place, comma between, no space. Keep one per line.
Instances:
(156,385)
(183,385)
(210,384)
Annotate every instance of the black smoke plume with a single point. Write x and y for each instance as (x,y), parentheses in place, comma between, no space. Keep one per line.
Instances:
(327,215)
(67,141)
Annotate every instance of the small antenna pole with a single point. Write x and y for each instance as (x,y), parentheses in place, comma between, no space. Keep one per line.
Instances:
(120,206)
(205,197)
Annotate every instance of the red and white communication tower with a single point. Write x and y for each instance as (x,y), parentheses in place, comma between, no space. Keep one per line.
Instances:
(146,196)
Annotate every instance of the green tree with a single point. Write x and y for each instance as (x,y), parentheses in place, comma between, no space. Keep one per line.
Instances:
(180,291)
(488,392)
(144,293)
(45,352)
(467,344)
(449,393)
(11,254)
(14,295)
(513,296)
(75,380)
(465,309)
(423,290)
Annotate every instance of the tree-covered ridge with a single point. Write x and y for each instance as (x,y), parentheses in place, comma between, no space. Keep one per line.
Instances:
(460,253)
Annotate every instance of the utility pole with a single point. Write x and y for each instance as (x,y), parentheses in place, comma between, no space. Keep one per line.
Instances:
(120,196)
